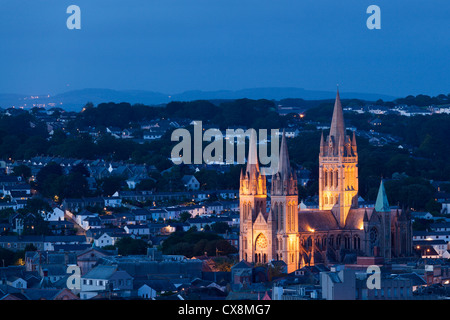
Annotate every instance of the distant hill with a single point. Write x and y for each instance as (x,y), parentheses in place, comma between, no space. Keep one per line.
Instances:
(75,100)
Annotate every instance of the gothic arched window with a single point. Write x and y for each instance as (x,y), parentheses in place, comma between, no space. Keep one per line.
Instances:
(356,242)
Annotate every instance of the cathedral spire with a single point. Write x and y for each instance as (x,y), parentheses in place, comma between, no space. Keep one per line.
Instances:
(382,204)
(252,162)
(337,128)
(284,166)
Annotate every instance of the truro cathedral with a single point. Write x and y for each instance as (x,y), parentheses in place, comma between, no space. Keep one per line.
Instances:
(339,228)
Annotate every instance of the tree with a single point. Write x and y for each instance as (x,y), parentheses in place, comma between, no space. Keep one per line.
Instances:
(46,177)
(220,227)
(36,205)
(81,169)
(110,185)
(22,171)
(129,246)
(184,216)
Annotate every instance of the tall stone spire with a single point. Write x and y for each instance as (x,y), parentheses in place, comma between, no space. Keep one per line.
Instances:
(284,165)
(337,129)
(382,204)
(252,162)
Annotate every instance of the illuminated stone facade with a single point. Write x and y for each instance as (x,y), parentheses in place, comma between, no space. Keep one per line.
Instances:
(338,231)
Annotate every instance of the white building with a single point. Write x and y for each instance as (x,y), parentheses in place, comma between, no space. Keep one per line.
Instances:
(56,215)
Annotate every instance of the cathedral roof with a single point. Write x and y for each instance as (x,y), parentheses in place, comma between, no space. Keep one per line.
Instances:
(355,218)
(318,220)
(324,220)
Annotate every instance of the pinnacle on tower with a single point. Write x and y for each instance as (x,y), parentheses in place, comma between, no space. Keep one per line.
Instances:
(354,148)
(252,162)
(322,144)
(284,166)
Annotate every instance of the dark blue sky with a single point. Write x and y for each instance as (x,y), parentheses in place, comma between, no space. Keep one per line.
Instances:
(176,45)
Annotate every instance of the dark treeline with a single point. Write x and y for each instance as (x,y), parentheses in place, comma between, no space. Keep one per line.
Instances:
(424,154)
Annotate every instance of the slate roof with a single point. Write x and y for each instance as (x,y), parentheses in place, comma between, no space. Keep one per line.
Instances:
(157,285)
(317,220)
(101,272)
(242,265)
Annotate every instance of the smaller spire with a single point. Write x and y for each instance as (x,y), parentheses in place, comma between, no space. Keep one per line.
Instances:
(252,162)
(354,148)
(322,144)
(382,204)
(284,166)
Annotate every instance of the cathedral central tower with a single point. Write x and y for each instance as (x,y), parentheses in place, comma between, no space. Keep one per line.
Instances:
(338,168)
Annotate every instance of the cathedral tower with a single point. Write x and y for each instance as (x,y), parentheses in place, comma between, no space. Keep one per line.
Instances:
(253,246)
(284,210)
(338,168)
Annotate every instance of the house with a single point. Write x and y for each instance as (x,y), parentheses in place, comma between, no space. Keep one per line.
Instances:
(17,243)
(16,282)
(195,210)
(138,229)
(56,215)
(50,294)
(49,264)
(19,192)
(104,240)
(232,239)
(114,131)
(200,223)
(108,220)
(149,289)
(82,218)
(94,235)
(230,205)
(445,226)
(105,279)
(10,180)
(75,205)
(5,227)
(87,259)
(92,222)
(338,284)
(215,207)
(51,241)
(241,274)
(141,215)
(227,194)
(46,243)
(158,228)
(113,202)
(125,218)
(20,223)
(421,215)
(173,212)
(132,182)
(190,182)
(153,134)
